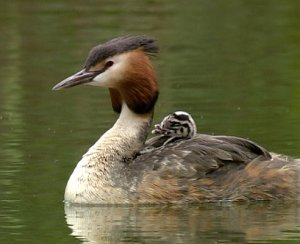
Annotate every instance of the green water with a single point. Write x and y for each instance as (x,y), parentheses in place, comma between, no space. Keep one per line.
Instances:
(235,65)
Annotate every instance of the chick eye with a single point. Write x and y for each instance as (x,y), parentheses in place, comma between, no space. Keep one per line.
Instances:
(175,123)
(108,64)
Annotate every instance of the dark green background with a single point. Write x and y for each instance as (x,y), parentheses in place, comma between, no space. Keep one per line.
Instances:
(235,65)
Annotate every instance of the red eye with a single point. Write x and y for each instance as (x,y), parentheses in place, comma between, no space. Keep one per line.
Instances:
(108,64)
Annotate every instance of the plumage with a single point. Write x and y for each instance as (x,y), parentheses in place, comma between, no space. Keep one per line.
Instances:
(120,45)
(201,168)
(174,127)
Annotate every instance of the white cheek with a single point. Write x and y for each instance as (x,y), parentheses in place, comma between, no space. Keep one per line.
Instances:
(112,76)
(101,80)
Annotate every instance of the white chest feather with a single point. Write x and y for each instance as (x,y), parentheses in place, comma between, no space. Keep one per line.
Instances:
(96,176)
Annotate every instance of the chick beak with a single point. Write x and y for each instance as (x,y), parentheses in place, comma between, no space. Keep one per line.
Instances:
(81,77)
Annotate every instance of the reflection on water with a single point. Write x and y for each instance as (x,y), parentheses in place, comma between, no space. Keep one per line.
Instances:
(211,223)
(234,65)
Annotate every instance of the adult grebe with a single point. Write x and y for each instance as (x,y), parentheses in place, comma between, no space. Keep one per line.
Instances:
(201,169)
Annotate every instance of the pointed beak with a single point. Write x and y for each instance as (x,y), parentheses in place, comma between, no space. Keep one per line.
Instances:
(81,77)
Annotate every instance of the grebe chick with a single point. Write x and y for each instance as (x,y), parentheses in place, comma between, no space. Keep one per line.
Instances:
(179,125)
(203,168)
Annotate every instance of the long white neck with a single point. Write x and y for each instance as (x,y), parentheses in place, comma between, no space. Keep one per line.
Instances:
(96,174)
(126,137)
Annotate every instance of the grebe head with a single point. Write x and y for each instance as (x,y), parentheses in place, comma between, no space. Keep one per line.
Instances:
(122,65)
(178,124)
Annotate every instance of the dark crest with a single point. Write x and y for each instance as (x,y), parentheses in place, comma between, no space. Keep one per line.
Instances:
(120,45)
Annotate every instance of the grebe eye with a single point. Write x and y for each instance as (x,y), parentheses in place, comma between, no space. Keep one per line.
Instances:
(108,64)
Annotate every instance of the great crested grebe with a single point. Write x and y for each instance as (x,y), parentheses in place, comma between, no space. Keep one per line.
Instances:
(174,127)
(178,124)
(201,169)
